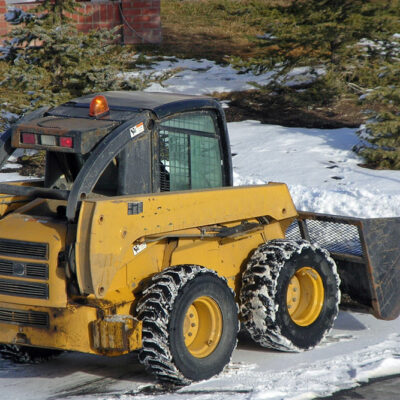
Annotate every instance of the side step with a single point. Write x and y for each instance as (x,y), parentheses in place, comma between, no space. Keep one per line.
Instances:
(367,253)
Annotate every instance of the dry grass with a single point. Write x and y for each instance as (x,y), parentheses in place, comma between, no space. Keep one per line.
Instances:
(212,28)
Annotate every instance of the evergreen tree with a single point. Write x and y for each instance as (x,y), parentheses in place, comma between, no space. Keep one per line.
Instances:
(322,31)
(50,61)
(381,137)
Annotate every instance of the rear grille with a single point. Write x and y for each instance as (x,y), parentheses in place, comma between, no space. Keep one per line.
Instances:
(28,270)
(39,271)
(18,317)
(18,248)
(6,267)
(24,289)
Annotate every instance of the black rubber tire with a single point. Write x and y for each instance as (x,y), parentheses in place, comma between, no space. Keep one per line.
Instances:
(264,310)
(162,310)
(26,354)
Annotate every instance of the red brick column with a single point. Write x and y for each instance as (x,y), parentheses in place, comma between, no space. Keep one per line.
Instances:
(3,23)
(103,15)
(142,21)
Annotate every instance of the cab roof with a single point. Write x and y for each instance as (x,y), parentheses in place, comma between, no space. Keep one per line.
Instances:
(161,104)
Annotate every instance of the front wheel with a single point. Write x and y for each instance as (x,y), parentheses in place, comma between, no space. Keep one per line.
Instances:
(190,324)
(290,295)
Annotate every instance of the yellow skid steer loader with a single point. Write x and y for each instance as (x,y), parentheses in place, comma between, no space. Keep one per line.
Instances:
(135,239)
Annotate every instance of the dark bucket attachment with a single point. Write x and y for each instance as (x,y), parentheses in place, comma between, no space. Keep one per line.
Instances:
(367,254)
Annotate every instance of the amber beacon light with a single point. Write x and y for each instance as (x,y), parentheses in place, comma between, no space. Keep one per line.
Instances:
(98,106)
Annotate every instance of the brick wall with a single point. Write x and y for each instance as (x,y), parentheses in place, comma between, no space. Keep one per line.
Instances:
(144,17)
(141,22)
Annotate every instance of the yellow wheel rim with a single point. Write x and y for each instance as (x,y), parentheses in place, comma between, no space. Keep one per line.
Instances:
(305,296)
(202,327)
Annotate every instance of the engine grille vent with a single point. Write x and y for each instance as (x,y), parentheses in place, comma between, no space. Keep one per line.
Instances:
(40,271)
(6,267)
(24,289)
(30,318)
(28,270)
(18,248)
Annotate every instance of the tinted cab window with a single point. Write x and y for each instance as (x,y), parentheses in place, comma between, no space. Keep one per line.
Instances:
(190,152)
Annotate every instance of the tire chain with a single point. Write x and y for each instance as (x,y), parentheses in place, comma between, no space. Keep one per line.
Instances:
(21,355)
(154,309)
(261,276)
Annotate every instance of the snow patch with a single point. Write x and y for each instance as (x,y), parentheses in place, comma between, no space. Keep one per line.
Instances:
(322,172)
(200,77)
(302,76)
(8,116)
(379,368)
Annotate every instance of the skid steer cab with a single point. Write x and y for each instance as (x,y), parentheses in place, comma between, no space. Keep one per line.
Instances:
(135,239)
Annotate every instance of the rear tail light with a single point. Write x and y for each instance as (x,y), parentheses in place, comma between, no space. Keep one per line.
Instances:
(66,142)
(46,140)
(28,138)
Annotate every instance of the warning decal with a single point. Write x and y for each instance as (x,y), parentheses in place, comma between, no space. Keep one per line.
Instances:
(135,130)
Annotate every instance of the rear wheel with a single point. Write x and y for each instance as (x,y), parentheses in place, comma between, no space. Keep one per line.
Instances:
(290,295)
(190,324)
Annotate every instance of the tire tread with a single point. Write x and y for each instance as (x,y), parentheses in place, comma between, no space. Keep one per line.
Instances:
(259,289)
(154,309)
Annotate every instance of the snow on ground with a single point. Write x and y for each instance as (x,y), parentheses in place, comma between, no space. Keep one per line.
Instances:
(12,164)
(359,348)
(200,77)
(204,77)
(322,172)
(351,354)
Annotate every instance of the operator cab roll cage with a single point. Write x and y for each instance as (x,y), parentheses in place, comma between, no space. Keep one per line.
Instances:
(89,174)
(111,146)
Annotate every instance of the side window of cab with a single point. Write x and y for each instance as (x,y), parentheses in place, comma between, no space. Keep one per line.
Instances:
(190,155)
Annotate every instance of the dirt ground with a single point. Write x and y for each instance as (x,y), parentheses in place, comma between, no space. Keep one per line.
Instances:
(257,106)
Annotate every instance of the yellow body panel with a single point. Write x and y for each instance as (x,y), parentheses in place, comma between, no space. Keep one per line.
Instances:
(73,328)
(107,233)
(120,243)
(68,328)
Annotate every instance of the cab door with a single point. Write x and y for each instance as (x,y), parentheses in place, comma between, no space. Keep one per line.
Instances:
(189,152)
